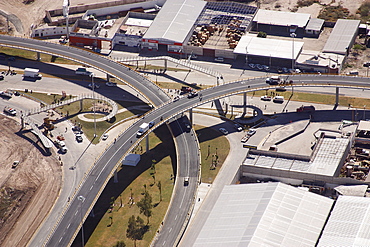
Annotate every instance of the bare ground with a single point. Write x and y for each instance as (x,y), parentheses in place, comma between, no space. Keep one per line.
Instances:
(27,192)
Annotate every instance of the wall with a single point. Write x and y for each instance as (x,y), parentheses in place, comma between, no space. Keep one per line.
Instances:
(47,32)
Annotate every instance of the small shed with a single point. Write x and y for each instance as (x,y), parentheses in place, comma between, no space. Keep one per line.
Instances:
(131,160)
(314,27)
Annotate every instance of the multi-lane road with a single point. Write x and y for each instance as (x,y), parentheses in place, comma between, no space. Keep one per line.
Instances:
(97,178)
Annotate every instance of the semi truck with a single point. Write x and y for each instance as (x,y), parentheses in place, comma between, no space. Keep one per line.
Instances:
(142,129)
(33,73)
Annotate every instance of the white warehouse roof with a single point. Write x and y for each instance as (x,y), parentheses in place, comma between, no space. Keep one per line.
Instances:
(342,36)
(280,18)
(253,45)
(348,224)
(175,20)
(265,214)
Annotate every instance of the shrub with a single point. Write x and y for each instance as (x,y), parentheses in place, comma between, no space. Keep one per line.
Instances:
(262,34)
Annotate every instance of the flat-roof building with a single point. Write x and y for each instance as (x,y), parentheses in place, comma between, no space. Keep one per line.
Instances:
(342,37)
(268,51)
(349,223)
(173,25)
(279,22)
(265,214)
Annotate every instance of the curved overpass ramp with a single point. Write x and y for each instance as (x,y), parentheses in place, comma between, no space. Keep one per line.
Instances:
(139,83)
(98,177)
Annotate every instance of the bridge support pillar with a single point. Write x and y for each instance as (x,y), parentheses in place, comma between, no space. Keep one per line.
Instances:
(81,104)
(92,213)
(38,56)
(22,122)
(115,176)
(165,65)
(337,96)
(147,143)
(244,103)
(191,116)
(108,77)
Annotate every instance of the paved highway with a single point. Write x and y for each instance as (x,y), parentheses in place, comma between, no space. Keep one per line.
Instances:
(178,212)
(103,170)
(104,167)
(184,140)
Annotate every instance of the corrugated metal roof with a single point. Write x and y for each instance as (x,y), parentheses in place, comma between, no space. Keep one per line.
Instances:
(175,20)
(266,214)
(253,45)
(341,37)
(280,18)
(315,24)
(349,223)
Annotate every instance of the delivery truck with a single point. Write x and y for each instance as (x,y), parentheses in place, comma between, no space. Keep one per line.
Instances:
(33,73)
(142,129)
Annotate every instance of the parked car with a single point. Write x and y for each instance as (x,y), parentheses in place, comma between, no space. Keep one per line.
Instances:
(96,86)
(111,84)
(186,181)
(251,132)
(252,65)
(79,138)
(15,164)
(266,68)
(245,138)
(265,98)
(104,137)
(1,77)
(280,89)
(285,70)
(278,99)
(219,59)
(238,127)
(280,70)
(223,131)
(259,66)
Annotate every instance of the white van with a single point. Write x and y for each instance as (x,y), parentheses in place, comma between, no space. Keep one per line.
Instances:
(278,99)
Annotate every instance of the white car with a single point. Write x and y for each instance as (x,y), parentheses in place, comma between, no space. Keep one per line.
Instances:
(238,127)
(251,132)
(265,98)
(104,137)
(111,84)
(219,59)
(223,131)
(79,138)
(265,67)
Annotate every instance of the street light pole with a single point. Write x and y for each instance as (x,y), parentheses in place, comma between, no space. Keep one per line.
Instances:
(293,35)
(82,199)
(93,88)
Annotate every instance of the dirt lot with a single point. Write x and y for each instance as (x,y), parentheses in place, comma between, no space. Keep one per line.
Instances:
(28,191)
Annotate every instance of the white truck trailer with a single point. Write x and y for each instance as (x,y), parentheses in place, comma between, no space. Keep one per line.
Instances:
(142,129)
(33,73)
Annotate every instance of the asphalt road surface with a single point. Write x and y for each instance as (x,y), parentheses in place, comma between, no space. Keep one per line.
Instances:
(103,170)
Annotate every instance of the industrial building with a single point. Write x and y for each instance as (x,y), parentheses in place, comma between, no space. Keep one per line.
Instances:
(265,214)
(348,224)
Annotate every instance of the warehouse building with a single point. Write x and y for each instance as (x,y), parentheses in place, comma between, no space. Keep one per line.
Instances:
(271,52)
(280,23)
(265,214)
(349,223)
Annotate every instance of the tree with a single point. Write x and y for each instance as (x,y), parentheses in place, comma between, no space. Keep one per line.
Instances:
(145,205)
(159,185)
(135,229)
(120,244)
(262,34)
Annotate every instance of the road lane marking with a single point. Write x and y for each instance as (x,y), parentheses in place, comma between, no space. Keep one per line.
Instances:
(76,212)
(164,243)
(60,239)
(68,225)
(176,217)
(170,229)
(91,187)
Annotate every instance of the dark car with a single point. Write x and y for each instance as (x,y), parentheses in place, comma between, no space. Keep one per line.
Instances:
(192,95)
(1,77)
(151,124)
